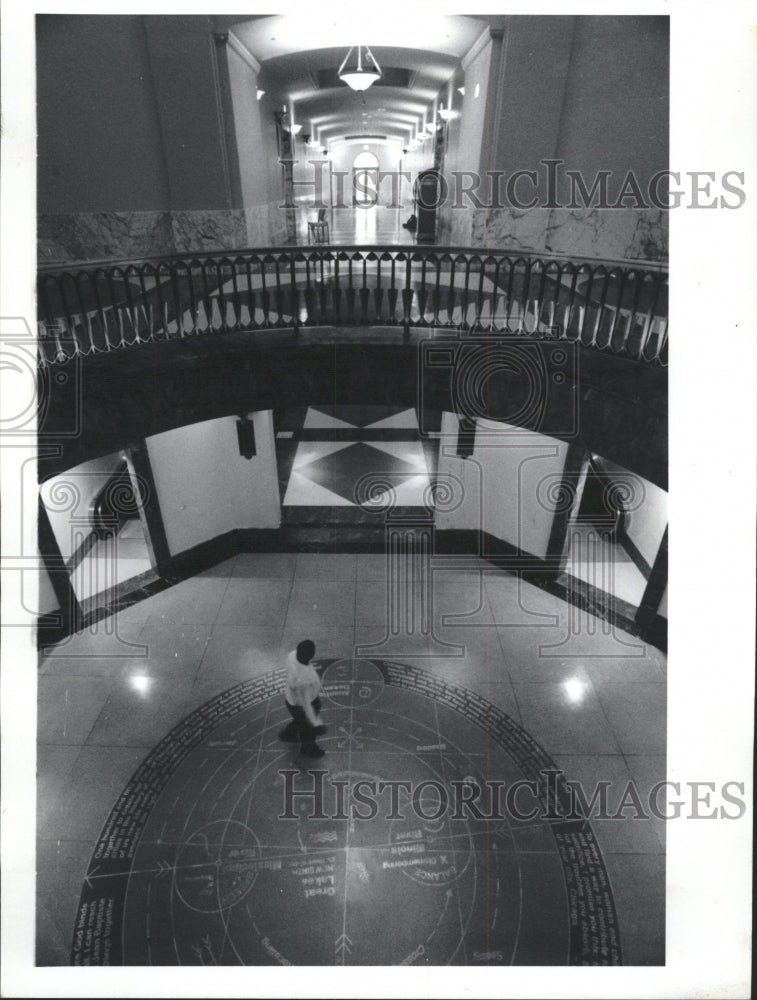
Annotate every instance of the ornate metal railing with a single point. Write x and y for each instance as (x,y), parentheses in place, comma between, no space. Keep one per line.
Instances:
(615,306)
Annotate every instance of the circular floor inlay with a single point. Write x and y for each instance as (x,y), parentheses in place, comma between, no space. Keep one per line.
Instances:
(229,848)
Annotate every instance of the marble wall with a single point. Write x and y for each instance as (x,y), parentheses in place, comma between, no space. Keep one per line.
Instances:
(621,234)
(277,224)
(614,234)
(84,236)
(96,235)
(223,229)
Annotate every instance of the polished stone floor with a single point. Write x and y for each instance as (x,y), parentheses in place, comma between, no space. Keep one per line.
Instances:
(591,699)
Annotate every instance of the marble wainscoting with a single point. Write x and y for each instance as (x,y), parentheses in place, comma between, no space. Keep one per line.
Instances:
(456,227)
(208,229)
(613,234)
(511,228)
(277,224)
(266,225)
(622,234)
(258,227)
(478,227)
(62,239)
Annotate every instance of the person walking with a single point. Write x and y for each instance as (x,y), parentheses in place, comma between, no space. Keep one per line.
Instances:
(302,694)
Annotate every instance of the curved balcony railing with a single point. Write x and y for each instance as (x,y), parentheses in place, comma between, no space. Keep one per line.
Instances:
(97,307)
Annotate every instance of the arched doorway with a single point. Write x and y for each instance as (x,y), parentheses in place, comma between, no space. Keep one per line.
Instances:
(365,168)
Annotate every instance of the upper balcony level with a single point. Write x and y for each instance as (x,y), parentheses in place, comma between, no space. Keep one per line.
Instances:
(527,339)
(108,306)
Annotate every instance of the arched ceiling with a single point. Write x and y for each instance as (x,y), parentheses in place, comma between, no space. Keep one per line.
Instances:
(299,58)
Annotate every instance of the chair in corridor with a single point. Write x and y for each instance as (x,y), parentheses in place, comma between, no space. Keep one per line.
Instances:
(318,232)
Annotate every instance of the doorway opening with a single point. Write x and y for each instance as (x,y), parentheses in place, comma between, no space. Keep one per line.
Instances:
(97,517)
(616,530)
(365,180)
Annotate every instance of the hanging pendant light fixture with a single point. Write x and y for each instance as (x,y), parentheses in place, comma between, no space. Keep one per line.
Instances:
(357,75)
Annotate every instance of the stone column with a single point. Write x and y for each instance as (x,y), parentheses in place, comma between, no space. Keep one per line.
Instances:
(440,143)
(286,158)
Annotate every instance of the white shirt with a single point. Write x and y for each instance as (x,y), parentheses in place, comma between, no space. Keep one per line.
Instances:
(303,685)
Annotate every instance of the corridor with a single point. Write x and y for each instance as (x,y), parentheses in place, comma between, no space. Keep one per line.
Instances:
(358,225)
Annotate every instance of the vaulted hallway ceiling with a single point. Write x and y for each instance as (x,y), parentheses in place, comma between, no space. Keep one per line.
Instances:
(419,55)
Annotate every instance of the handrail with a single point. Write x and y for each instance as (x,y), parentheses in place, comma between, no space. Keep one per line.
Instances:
(102,306)
(648,265)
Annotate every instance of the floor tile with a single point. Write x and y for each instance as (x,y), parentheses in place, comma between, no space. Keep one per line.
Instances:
(336,642)
(321,603)
(372,566)
(95,649)
(326,567)
(565,719)
(193,601)
(638,885)
(610,669)
(237,652)
(254,602)
(68,707)
(460,598)
(61,867)
(535,669)
(513,601)
(582,634)
(173,651)
(499,692)
(481,655)
(522,645)
(637,714)
(265,565)
(648,771)
(97,779)
(221,570)
(373,603)
(631,829)
(377,641)
(55,766)
(140,711)
(348,471)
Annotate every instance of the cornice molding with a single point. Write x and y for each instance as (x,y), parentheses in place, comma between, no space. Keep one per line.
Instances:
(478,46)
(242,51)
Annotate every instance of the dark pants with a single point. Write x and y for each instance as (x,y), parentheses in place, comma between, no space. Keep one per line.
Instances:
(299,728)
